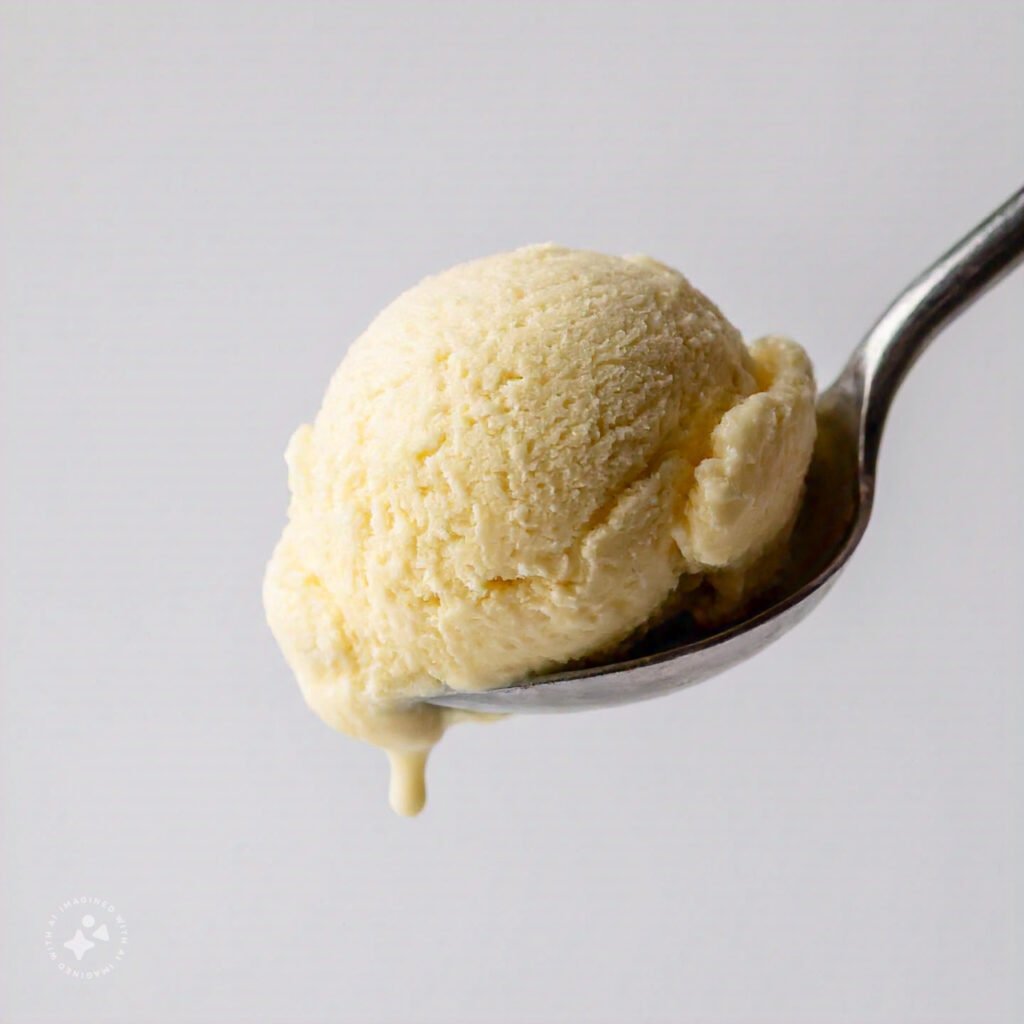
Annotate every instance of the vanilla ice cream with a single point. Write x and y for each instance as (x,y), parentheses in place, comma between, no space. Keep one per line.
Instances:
(523,462)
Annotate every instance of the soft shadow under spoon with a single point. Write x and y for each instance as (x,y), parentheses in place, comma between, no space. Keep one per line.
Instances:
(837,506)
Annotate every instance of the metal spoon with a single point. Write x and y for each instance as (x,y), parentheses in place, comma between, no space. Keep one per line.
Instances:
(837,505)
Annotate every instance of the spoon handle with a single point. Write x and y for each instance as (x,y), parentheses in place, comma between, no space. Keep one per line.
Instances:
(928,304)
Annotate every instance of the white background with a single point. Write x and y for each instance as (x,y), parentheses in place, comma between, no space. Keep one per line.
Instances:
(202,205)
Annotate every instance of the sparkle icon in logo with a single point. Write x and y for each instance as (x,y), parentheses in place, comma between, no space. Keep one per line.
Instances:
(79,944)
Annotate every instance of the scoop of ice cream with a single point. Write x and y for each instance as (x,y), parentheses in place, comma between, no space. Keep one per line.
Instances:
(522,462)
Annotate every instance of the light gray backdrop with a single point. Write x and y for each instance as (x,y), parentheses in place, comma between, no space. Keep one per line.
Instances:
(203,204)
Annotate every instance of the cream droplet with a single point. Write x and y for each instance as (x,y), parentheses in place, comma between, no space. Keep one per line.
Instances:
(407,792)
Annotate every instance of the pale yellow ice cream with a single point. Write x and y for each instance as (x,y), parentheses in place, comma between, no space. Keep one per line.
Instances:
(522,462)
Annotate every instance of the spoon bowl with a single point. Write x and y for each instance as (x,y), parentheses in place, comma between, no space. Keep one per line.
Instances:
(836,507)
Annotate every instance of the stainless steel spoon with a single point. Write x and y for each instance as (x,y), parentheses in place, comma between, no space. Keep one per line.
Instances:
(837,505)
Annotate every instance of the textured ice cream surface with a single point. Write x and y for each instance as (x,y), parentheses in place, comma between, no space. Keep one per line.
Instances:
(518,464)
